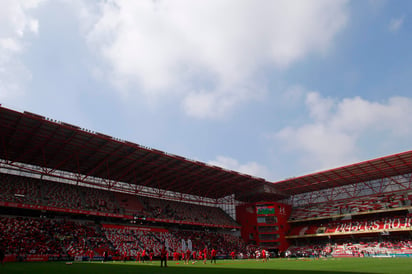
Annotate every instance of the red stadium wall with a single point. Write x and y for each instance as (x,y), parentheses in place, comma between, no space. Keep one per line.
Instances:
(264,224)
(246,216)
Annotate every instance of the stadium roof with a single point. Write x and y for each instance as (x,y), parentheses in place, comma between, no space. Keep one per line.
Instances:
(36,140)
(392,165)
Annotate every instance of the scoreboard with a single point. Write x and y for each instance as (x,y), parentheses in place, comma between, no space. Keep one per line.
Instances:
(265,209)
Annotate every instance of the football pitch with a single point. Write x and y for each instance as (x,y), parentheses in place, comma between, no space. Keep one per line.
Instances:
(281,266)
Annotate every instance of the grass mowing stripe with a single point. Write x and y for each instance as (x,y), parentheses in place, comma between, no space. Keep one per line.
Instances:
(282,266)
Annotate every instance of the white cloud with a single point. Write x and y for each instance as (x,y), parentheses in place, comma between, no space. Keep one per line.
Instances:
(319,107)
(334,134)
(250,168)
(396,23)
(173,47)
(15,24)
(212,104)
(293,95)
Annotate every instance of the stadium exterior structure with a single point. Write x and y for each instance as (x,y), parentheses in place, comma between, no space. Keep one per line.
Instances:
(34,146)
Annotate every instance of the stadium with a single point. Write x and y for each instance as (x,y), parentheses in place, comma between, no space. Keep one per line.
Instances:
(73,196)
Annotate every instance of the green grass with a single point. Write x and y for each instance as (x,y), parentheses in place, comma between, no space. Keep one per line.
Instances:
(278,266)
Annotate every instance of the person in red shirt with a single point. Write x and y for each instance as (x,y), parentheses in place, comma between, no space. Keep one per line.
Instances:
(199,255)
(175,256)
(187,257)
(194,256)
(144,255)
(264,255)
(213,256)
(124,256)
(91,254)
(138,256)
(232,254)
(151,254)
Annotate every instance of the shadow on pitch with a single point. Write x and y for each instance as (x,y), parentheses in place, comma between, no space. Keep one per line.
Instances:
(106,268)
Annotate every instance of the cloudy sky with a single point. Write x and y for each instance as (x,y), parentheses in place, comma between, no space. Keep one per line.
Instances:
(273,89)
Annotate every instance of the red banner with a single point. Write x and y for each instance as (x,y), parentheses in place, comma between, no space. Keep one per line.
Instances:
(28,258)
(190,223)
(372,225)
(37,258)
(139,228)
(10,258)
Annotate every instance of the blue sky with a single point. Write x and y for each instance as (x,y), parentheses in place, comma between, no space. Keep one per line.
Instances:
(274,89)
